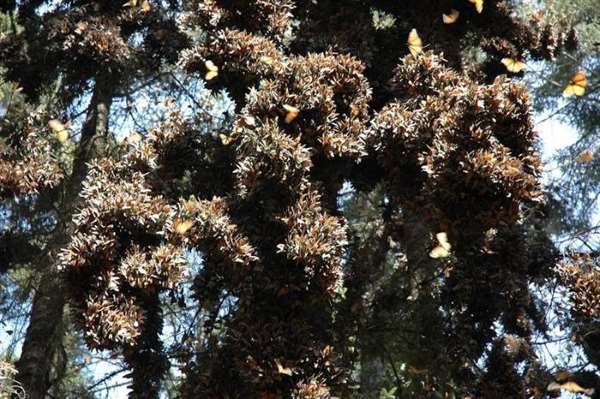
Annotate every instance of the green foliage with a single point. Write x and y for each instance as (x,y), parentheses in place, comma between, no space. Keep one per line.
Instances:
(387,394)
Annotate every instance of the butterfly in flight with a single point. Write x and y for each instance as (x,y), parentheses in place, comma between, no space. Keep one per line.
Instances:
(451,18)
(512,65)
(576,86)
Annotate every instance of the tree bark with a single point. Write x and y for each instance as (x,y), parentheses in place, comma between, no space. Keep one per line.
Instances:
(45,331)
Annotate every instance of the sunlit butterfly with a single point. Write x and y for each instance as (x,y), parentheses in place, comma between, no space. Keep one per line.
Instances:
(451,18)
(478,5)
(576,86)
(443,248)
(291,113)
(570,386)
(585,156)
(212,70)
(225,139)
(182,226)
(513,65)
(414,42)
(59,129)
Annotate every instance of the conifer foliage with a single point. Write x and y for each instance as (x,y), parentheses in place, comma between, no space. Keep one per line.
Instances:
(324,99)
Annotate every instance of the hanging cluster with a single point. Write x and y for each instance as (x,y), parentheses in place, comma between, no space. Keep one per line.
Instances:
(542,39)
(27,164)
(461,156)
(461,137)
(271,18)
(313,109)
(92,41)
(315,240)
(119,250)
(583,279)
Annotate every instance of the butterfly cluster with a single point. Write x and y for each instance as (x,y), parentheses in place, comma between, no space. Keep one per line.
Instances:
(323,100)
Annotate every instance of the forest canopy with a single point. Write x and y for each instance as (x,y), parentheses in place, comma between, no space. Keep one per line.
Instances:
(315,199)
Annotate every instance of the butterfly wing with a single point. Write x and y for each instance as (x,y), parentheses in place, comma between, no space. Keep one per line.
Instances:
(451,18)
(292,113)
(577,85)
(182,226)
(478,5)
(443,249)
(415,44)
(439,252)
(212,71)
(579,79)
(62,136)
(513,65)
(573,90)
(59,129)
(585,156)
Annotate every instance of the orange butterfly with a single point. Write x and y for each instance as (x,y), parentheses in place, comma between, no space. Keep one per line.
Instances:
(585,156)
(513,65)
(478,5)
(451,18)
(576,86)
(182,226)
(292,113)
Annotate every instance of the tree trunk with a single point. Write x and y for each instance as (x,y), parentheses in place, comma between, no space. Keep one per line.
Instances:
(45,331)
(44,336)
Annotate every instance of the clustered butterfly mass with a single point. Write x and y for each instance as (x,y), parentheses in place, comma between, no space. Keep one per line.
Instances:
(322,99)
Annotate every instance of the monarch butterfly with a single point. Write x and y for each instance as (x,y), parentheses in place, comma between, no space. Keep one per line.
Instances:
(283,370)
(225,139)
(513,65)
(576,86)
(59,130)
(80,27)
(266,59)
(452,17)
(570,386)
(191,205)
(248,120)
(443,249)
(415,44)
(146,7)
(585,156)
(133,138)
(182,226)
(292,113)
(478,5)
(212,70)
